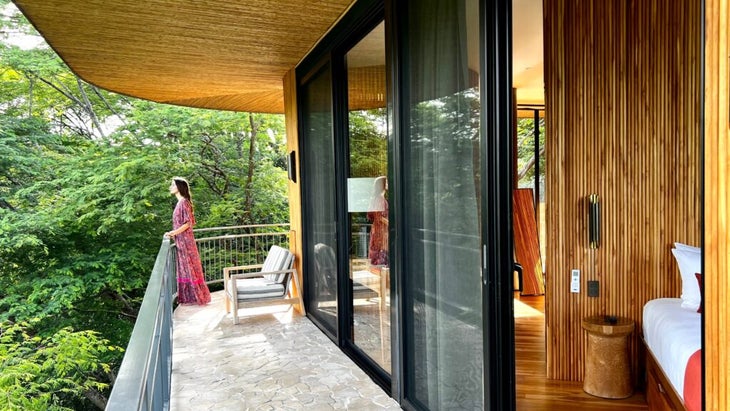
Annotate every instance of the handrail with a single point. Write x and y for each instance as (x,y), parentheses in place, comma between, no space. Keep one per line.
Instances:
(236,227)
(229,236)
(144,378)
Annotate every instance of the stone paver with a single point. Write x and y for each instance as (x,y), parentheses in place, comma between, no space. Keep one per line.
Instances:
(275,359)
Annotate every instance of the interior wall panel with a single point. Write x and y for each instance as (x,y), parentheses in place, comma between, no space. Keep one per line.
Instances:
(717,198)
(622,83)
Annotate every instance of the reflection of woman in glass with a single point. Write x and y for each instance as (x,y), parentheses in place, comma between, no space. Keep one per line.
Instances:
(378,216)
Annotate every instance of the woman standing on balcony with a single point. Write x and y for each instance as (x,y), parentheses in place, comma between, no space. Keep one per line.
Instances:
(191,287)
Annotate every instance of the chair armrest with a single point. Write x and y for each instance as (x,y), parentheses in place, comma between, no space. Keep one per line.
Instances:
(227,270)
(242,267)
(260,273)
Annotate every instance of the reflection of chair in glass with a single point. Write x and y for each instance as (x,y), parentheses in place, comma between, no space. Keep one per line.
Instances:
(326,268)
(325,265)
(270,284)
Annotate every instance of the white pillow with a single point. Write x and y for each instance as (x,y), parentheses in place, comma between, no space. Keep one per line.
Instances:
(689,263)
(681,246)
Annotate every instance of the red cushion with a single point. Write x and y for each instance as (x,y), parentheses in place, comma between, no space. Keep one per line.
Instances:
(693,383)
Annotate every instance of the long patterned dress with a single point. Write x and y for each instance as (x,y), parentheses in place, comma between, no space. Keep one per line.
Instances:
(378,249)
(191,287)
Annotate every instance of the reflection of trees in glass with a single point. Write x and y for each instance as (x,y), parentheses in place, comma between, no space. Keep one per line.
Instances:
(368,143)
(443,259)
(445,153)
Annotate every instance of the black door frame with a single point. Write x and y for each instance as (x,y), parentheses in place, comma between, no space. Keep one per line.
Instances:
(498,262)
(496,187)
(356,24)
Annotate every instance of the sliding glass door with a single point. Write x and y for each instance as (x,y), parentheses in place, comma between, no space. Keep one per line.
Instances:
(319,203)
(441,207)
(406,194)
(367,199)
(344,156)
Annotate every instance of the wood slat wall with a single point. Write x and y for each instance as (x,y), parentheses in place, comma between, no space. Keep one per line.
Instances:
(717,199)
(623,96)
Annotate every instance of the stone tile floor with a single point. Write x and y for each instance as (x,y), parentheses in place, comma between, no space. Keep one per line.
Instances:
(275,359)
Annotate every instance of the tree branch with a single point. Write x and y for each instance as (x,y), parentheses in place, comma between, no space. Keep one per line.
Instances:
(528,166)
(4,204)
(88,108)
(108,105)
(57,88)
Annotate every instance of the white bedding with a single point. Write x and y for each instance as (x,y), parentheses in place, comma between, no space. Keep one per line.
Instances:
(673,334)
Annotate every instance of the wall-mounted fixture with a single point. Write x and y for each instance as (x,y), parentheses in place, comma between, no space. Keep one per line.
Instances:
(292,166)
(594,221)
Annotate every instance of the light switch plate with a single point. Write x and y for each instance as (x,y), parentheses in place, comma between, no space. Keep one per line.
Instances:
(574,281)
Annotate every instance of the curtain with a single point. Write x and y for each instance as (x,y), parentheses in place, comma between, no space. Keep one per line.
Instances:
(443,314)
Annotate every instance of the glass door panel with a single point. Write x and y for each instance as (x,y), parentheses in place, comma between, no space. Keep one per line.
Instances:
(442,208)
(367,197)
(319,203)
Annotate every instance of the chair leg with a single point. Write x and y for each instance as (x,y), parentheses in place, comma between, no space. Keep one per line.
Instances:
(225,290)
(235,311)
(299,292)
(301,304)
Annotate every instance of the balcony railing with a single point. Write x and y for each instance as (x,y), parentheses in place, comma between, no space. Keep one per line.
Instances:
(143,381)
(221,247)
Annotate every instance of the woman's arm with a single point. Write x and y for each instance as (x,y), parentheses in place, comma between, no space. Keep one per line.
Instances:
(173,233)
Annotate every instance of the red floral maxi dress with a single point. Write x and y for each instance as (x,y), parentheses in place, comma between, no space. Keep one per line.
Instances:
(378,250)
(191,287)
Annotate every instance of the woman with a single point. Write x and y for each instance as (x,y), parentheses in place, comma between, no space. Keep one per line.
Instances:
(378,215)
(191,287)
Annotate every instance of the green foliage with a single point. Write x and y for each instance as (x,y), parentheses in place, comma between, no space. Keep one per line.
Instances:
(212,149)
(368,143)
(49,373)
(84,201)
(526,150)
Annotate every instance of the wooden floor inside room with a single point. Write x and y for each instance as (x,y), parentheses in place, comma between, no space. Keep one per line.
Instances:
(534,391)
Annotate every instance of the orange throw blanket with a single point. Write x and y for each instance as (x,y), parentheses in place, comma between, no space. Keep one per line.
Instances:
(693,382)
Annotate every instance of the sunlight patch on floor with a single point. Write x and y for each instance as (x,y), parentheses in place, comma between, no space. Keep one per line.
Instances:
(523,310)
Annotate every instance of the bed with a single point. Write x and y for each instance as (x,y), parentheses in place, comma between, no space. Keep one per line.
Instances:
(673,338)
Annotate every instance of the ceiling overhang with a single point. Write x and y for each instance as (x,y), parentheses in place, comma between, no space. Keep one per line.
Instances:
(221,54)
(218,54)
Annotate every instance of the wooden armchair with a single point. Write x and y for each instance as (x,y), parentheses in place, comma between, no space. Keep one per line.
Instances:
(262,284)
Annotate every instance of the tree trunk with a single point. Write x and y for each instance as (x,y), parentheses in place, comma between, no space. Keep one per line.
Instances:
(249,179)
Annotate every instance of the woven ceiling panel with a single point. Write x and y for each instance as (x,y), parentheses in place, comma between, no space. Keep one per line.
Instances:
(221,54)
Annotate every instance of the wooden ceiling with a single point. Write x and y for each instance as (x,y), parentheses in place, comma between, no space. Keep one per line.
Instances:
(222,54)
(219,54)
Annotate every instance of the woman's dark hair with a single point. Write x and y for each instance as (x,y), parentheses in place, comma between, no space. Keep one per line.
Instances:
(184,188)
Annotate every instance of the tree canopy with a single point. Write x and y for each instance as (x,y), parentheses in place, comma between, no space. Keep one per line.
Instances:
(83,207)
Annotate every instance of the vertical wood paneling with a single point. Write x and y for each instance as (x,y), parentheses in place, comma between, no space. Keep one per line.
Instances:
(623,121)
(292,144)
(717,198)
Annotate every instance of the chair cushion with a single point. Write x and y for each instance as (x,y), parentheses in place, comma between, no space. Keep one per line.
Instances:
(257,288)
(278,259)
